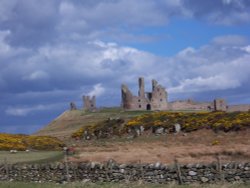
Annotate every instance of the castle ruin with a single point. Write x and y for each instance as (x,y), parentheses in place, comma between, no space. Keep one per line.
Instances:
(157,100)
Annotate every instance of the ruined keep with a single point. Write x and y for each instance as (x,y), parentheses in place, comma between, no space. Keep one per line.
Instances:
(220,105)
(89,103)
(155,100)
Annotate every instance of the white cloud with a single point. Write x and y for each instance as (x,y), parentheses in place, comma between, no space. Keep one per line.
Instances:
(106,65)
(200,84)
(186,51)
(24,111)
(226,1)
(6,50)
(230,40)
(66,8)
(97,90)
(4,47)
(246,48)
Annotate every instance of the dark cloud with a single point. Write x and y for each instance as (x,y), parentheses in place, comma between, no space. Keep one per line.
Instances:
(31,22)
(226,12)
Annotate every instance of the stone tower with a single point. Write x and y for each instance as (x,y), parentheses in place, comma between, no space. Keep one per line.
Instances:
(89,103)
(141,92)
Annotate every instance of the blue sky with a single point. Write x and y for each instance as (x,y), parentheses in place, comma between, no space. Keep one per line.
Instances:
(54,51)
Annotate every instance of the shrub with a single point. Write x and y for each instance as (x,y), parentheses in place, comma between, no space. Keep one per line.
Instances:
(194,121)
(23,142)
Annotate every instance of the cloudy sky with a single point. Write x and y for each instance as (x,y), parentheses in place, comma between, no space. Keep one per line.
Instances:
(54,51)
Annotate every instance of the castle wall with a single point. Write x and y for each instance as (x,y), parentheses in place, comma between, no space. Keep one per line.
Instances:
(190,105)
(242,108)
(159,97)
(139,103)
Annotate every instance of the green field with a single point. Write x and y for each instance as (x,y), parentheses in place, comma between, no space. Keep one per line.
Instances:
(116,185)
(29,157)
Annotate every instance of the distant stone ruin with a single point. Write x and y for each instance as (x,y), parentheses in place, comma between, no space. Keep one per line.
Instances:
(157,100)
(72,106)
(89,103)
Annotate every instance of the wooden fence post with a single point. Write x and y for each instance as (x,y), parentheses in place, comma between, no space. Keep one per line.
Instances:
(74,171)
(219,168)
(66,163)
(178,171)
(6,168)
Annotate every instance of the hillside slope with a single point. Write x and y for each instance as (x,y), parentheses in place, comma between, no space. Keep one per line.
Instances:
(70,121)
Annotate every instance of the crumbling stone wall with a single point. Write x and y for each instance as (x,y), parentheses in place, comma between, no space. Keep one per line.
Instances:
(113,172)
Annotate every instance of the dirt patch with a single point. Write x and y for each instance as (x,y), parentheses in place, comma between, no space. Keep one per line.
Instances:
(200,146)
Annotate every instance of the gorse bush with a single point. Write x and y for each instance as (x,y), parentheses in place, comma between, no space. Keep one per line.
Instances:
(23,142)
(102,129)
(193,121)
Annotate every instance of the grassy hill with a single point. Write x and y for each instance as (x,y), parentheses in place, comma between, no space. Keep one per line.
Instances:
(70,121)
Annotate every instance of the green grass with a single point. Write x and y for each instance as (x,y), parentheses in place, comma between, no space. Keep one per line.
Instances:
(30,157)
(116,185)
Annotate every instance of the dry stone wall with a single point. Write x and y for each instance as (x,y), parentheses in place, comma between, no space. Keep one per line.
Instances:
(113,172)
